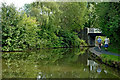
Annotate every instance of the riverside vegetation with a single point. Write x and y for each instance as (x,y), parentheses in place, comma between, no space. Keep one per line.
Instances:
(42,25)
(52,24)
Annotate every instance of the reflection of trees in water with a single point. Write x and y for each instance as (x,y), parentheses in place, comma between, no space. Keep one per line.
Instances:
(19,69)
(48,55)
(110,70)
(17,64)
(52,63)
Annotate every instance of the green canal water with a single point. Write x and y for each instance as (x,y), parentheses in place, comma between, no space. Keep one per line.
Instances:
(54,63)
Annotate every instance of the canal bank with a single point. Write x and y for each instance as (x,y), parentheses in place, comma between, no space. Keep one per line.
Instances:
(108,58)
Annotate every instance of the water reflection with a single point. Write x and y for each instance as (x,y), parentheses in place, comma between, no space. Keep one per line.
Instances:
(92,65)
(54,63)
(41,76)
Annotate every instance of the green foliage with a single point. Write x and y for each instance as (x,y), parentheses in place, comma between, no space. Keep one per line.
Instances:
(9,21)
(29,64)
(28,30)
(92,20)
(109,20)
(113,49)
(48,55)
(19,31)
(71,39)
(106,57)
(39,26)
(74,15)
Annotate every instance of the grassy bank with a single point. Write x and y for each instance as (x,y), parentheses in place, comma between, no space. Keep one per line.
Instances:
(113,49)
(111,60)
(106,57)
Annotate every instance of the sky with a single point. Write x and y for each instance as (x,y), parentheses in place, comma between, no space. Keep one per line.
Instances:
(17,3)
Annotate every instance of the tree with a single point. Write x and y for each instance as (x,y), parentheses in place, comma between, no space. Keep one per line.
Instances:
(42,25)
(109,20)
(9,20)
(18,30)
(74,15)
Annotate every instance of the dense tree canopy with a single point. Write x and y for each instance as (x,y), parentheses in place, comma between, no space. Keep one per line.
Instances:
(42,25)
(19,31)
(109,20)
(74,15)
(52,24)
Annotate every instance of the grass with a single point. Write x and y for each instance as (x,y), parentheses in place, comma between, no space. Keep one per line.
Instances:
(106,57)
(112,49)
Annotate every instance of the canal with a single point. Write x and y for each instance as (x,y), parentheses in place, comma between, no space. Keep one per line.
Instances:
(55,63)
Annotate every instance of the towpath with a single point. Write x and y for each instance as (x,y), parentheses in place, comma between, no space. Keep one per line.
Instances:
(96,51)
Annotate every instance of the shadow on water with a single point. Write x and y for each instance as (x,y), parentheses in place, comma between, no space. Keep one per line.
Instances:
(54,63)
